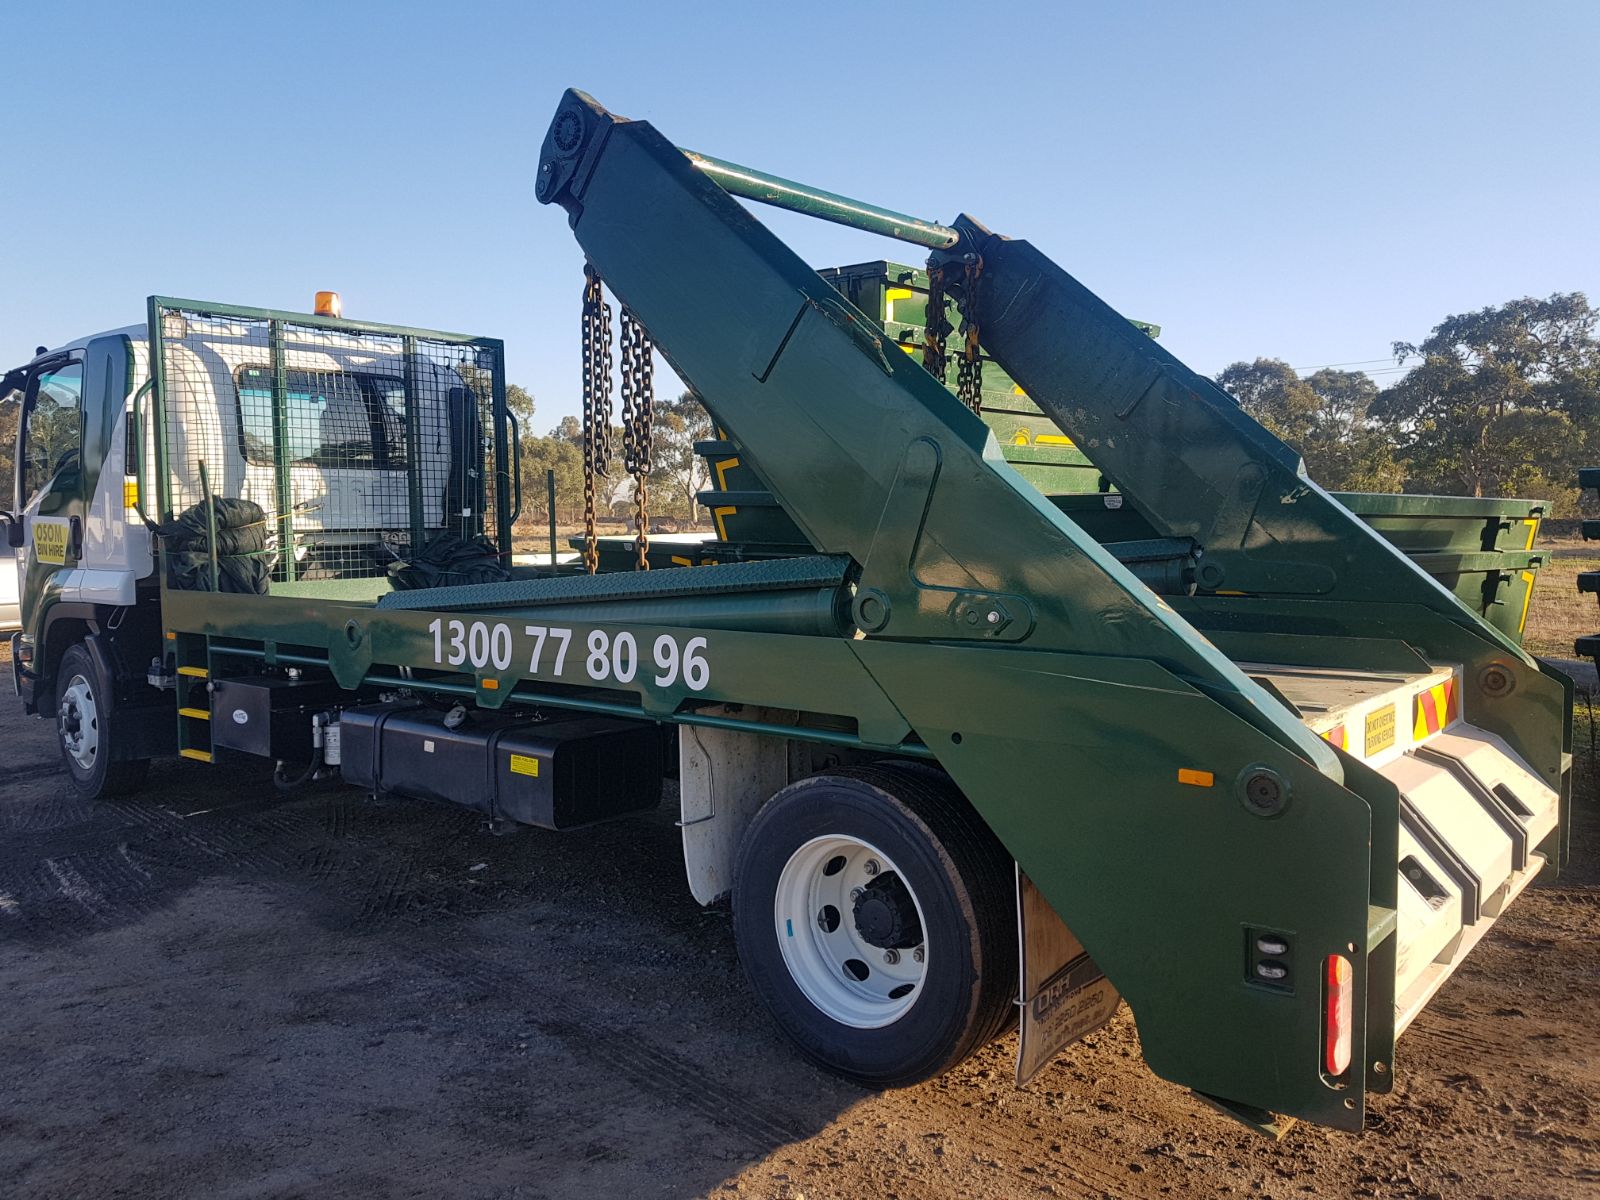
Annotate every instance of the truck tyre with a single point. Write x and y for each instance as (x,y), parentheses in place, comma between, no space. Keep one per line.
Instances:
(875,916)
(86,730)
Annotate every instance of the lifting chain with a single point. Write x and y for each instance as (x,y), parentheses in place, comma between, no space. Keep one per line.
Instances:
(969,371)
(638,426)
(969,367)
(935,327)
(596,403)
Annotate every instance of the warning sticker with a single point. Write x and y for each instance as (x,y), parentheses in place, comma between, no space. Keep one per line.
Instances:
(50,541)
(1380,729)
(524,764)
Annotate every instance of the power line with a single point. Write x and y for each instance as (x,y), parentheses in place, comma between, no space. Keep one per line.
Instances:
(1356,362)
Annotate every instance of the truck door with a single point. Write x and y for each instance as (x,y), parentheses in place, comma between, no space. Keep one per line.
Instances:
(51,486)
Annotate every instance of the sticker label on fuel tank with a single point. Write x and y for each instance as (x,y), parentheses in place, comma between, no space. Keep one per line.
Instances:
(524,764)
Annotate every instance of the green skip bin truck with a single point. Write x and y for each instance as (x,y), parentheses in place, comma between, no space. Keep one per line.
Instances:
(966,755)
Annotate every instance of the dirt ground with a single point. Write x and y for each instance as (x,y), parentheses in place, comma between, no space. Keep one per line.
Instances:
(219,991)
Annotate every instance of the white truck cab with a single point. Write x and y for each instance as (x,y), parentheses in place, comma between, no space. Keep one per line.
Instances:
(314,428)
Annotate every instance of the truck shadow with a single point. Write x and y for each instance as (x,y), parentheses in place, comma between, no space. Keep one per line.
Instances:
(533,1014)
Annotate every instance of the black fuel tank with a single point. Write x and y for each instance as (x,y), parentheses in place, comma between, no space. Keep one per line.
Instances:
(557,774)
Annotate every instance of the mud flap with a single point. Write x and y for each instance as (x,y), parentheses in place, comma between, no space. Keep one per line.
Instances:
(1063,994)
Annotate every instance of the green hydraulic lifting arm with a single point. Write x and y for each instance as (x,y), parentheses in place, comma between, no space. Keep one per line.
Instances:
(1238,491)
(1276,553)
(1069,702)
(868,453)
(1236,499)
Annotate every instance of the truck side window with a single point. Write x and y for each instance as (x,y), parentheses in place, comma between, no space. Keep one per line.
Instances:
(331,418)
(53,436)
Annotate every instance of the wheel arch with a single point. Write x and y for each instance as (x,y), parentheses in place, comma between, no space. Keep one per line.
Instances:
(65,624)
(725,777)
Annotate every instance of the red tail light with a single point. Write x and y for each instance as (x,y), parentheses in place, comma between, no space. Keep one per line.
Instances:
(1340,979)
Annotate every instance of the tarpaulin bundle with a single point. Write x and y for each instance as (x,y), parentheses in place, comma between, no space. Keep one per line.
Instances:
(244,547)
(447,560)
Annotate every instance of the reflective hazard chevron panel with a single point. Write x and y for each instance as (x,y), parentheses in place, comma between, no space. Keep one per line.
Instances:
(1433,708)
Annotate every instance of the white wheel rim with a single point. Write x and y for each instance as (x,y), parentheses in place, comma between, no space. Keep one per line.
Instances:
(80,722)
(850,979)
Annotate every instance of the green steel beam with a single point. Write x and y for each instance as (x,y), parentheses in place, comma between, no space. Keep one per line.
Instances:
(211,528)
(408,360)
(158,408)
(799,733)
(507,464)
(282,480)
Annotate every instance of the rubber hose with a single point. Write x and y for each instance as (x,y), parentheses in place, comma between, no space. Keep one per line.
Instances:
(288,785)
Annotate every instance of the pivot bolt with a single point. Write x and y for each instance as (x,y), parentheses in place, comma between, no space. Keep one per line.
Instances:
(1496,680)
(993,618)
(1263,791)
(891,957)
(871,866)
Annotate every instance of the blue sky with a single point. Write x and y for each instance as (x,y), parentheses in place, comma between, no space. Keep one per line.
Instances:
(1309,182)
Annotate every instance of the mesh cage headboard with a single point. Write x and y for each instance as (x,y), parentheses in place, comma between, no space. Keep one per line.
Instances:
(357,441)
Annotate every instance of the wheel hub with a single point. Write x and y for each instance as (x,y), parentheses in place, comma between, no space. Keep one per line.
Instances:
(79,722)
(843,915)
(886,915)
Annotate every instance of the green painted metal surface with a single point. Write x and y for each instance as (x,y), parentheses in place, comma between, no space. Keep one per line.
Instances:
(1086,661)
(665,551)
(1047,457)
(978,622)
(724,579)
(1042,453)
(1067,716)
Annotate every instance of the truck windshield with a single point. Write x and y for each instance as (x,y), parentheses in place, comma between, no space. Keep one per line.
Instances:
(330,418)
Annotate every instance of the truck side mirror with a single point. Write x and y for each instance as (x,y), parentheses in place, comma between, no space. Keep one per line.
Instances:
(14,531)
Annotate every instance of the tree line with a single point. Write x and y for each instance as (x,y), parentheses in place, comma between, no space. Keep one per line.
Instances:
(677,477)
(1504,401)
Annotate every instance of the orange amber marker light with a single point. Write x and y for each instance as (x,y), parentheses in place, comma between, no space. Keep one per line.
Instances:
(328,305)
(491,685)
(1341,1007)
(1195,778)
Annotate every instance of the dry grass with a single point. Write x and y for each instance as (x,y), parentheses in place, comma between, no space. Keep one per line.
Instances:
(1558,612)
